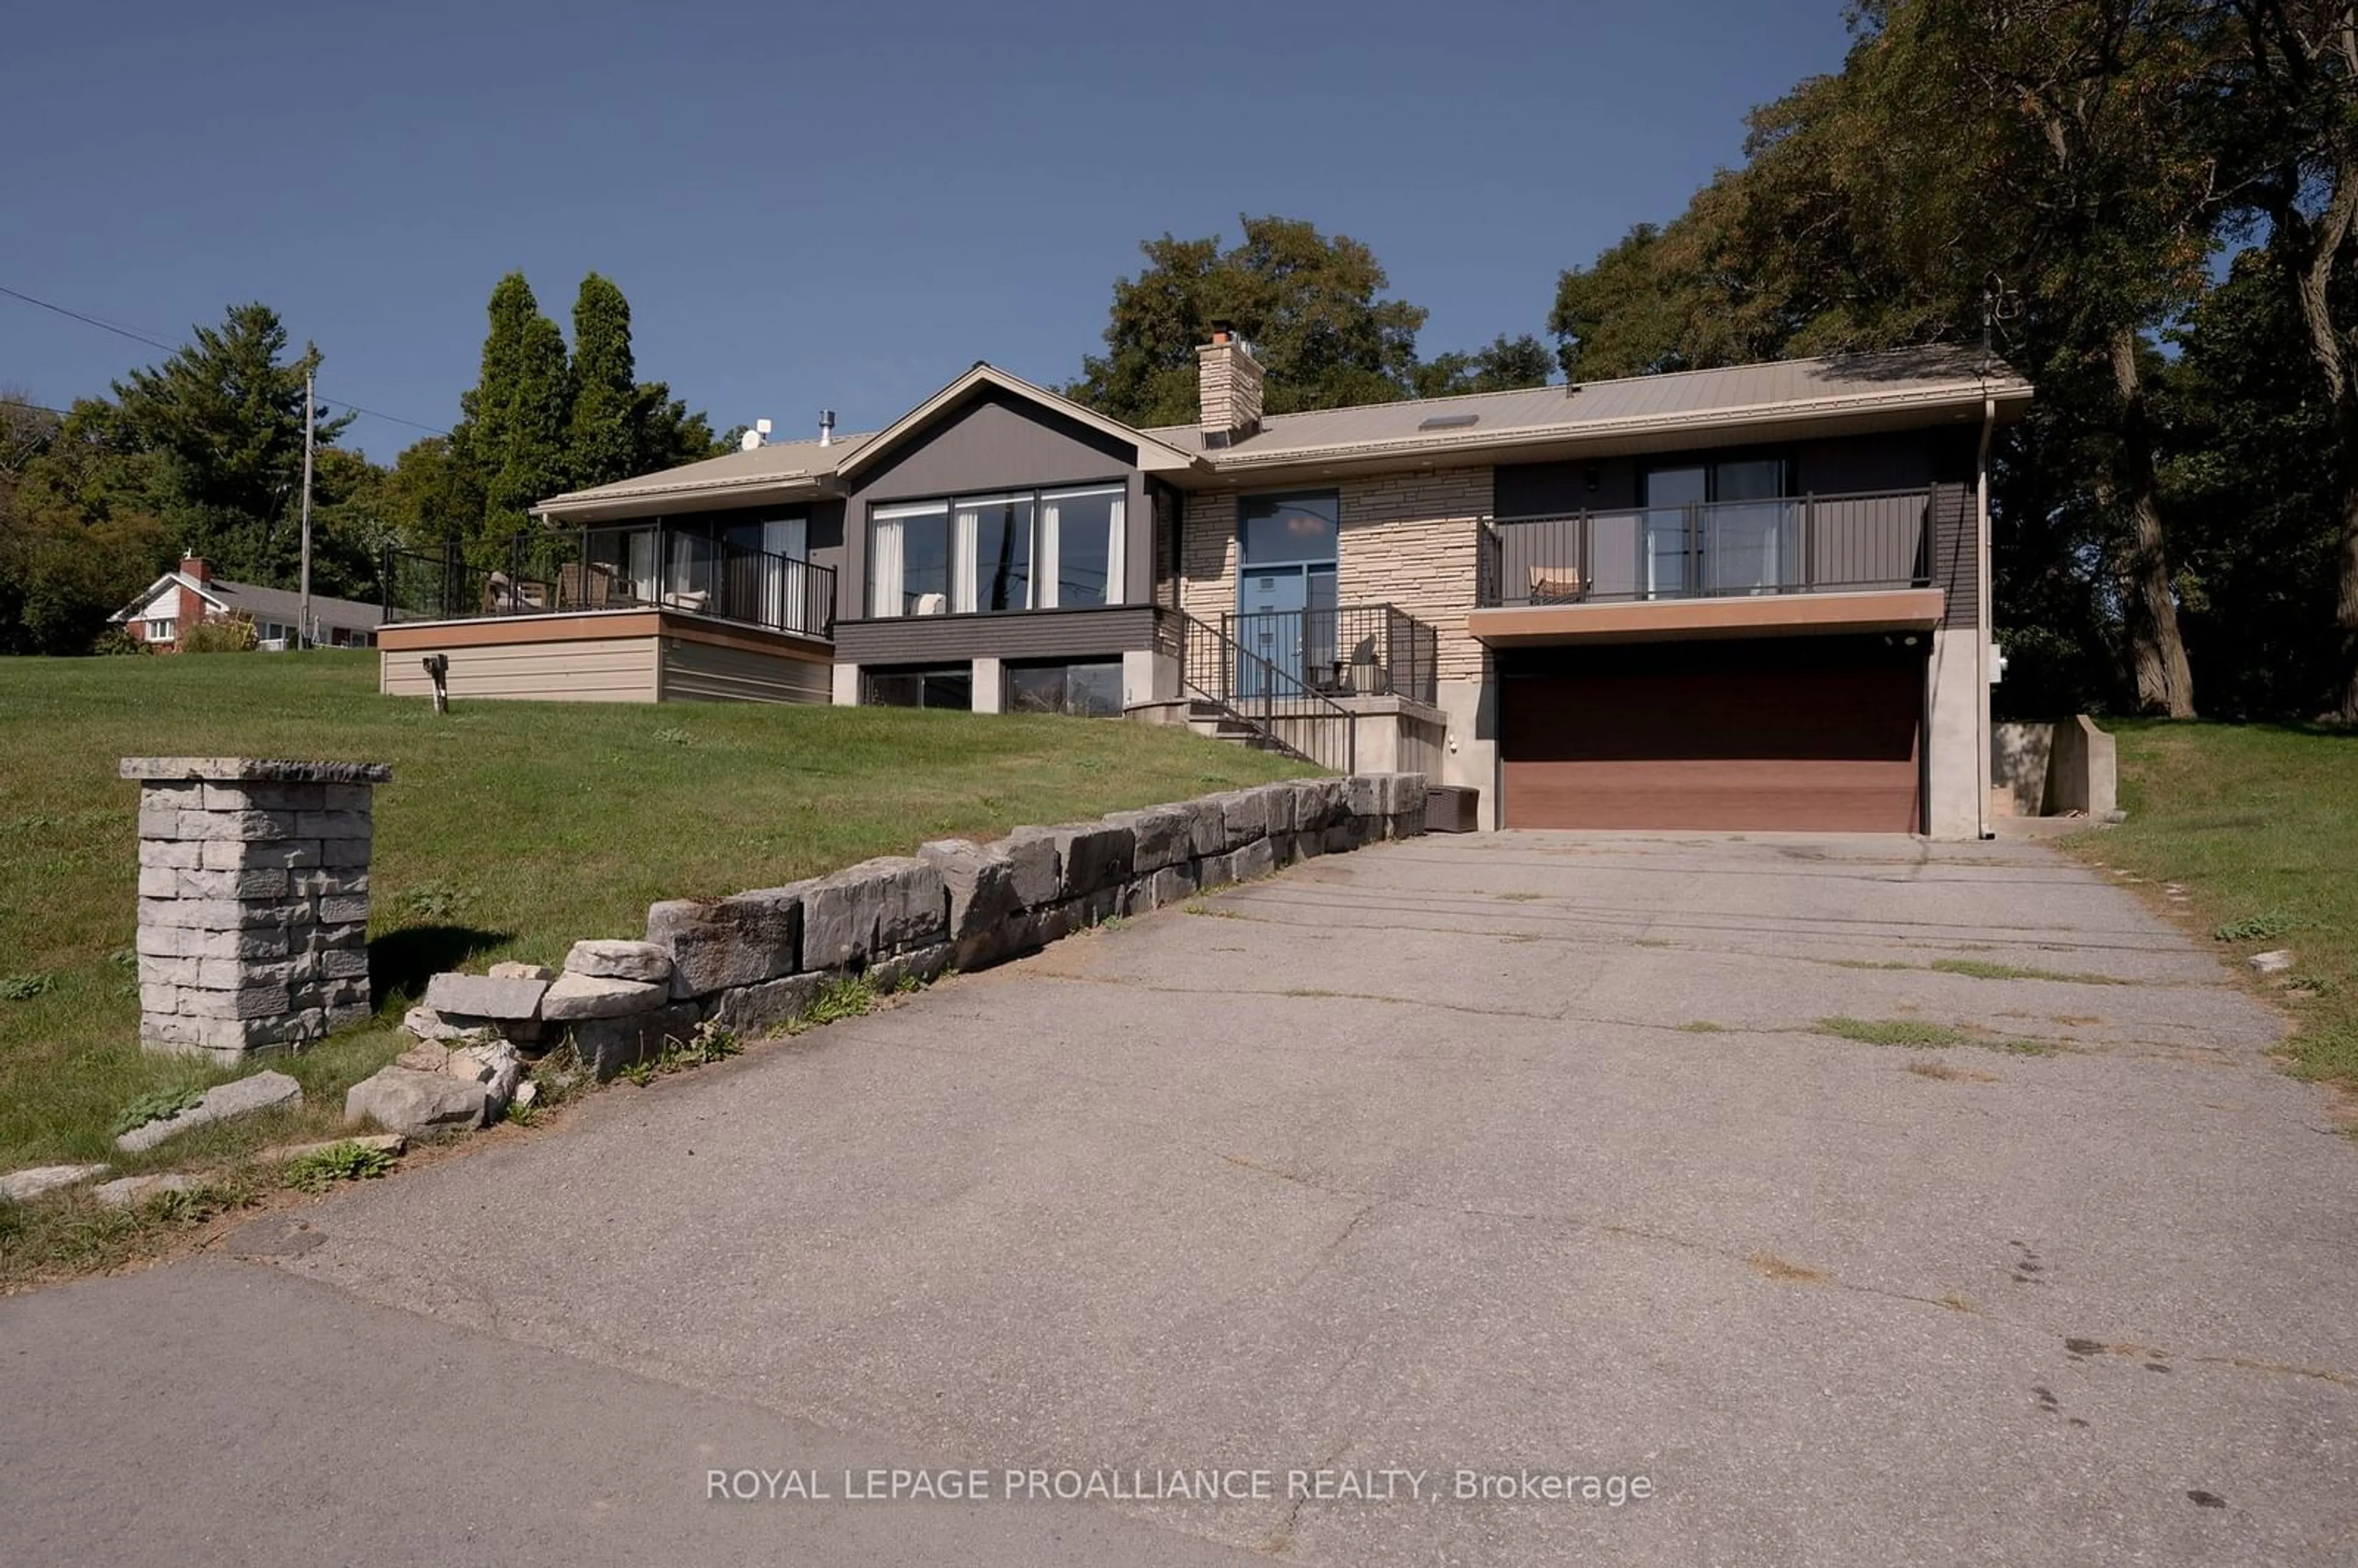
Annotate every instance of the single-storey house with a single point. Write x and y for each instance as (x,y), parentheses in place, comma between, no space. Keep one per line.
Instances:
(179,599)
(1750,598)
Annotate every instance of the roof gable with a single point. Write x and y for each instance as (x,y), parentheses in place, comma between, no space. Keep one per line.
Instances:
(1152,453)
(150,596)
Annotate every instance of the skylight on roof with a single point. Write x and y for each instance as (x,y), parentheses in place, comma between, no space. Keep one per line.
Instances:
(1448,421)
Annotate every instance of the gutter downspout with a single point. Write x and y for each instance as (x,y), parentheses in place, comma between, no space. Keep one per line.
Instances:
(1982,619)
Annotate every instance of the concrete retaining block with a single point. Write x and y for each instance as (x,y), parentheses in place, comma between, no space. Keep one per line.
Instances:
(1039,866)
(1097,856)
(1162,835)
(738,941)
(982,897)
(607,1045)
(757,1009)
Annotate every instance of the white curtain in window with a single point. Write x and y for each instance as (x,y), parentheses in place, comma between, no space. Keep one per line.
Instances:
(884,572)
(1113,556)
(1043,559)
(964,561)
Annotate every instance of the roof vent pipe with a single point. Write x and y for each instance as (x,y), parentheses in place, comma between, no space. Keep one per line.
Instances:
(827,427)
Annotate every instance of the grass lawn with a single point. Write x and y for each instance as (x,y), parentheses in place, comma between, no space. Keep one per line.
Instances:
(2259,825)
(510,830)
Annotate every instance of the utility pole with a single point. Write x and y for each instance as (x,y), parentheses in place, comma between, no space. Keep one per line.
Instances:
(303,609)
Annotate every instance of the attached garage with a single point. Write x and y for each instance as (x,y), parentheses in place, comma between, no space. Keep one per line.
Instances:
(1815,734)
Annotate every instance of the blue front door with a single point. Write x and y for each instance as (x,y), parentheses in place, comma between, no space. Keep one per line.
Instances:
(1285,589)
(1269,626)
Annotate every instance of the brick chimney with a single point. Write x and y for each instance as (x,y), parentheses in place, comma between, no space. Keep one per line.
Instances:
(197,567)
(1228,383)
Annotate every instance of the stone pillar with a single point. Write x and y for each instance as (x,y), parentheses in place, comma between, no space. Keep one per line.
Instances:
(253,901)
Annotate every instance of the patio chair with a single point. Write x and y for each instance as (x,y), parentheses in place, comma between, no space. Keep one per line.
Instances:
(584,587)
(1555,585)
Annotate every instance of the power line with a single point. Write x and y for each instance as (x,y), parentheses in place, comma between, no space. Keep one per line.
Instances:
(138,337)
(91,320)
(35,408)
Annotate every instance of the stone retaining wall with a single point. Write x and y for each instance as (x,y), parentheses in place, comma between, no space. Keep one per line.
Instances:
(758,959)
(253,907)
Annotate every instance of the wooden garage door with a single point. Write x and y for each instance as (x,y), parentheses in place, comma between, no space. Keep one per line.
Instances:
(1801,733)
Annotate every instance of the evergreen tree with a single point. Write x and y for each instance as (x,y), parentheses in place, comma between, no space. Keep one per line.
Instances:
(604,441)
(513,431)
(224,416)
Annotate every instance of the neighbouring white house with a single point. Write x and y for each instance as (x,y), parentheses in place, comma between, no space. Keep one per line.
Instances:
(168,607)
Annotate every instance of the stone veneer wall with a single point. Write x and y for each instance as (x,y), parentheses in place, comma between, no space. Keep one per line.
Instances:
(252,900)
(759,959)
(1408,539)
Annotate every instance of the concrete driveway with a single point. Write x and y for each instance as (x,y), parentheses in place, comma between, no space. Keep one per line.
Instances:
(1524,1153)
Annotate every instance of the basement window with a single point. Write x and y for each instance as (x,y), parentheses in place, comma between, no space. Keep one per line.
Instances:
(952,686)
(1091,690)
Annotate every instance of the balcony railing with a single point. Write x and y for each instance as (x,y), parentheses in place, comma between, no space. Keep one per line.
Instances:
(1356,650)
(652,567)
(1805,544)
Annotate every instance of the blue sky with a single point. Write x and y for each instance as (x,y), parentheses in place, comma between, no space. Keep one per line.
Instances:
(824,206)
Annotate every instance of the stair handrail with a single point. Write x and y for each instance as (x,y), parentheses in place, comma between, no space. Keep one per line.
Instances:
(1236,660)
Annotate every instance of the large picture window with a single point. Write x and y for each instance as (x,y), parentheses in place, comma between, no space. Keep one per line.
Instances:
(1034,549)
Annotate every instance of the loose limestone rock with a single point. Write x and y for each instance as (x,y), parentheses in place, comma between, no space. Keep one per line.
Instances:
(575,995)
(541,972)
(2271,963)
(23,1187)
(415,1104)
(642,961)
(430,1025)
(262,1091)
(125,1191)
(482,996)
(495,1065)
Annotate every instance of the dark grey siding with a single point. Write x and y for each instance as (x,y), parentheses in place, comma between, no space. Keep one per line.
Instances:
(1040,634)
(1957,570)
(997,442)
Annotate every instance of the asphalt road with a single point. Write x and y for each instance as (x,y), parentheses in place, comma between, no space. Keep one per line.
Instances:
(1414,1162)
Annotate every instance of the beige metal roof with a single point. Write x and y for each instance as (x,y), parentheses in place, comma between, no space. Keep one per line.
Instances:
(1782,390)
(1781,396)
(779,463)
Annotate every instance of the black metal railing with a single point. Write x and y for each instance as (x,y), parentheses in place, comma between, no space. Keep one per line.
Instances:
(550,572)
(1801,544)
(1280,710)
(1356,650)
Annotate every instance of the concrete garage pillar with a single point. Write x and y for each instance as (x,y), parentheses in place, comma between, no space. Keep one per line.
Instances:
(989,686)
(1470,754)
(254,882)
(847,685)
(1957,779)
